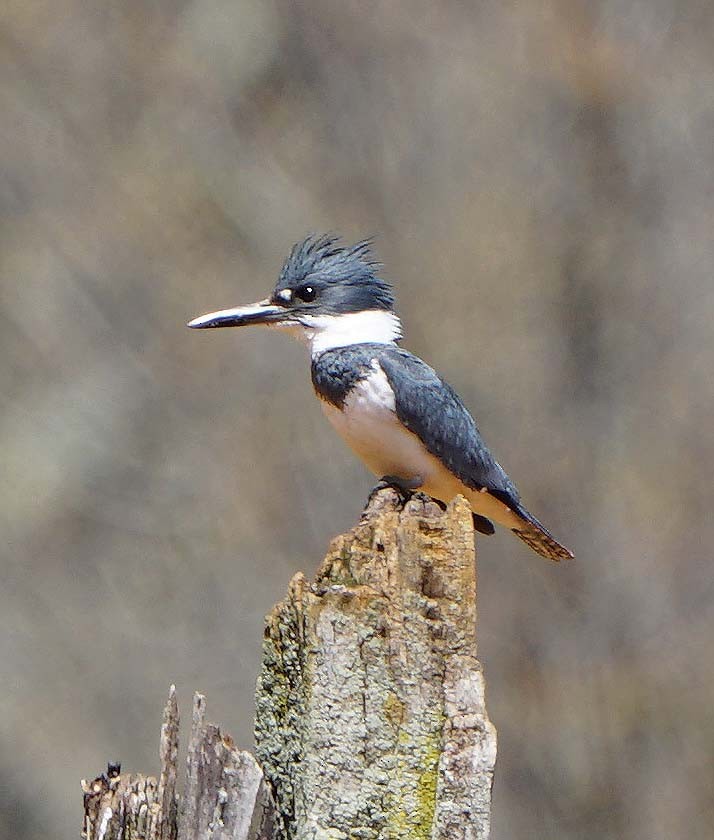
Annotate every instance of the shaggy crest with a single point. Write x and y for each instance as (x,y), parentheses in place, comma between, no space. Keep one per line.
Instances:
(324,261)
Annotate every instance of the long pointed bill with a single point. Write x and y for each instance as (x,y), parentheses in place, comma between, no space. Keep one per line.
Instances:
(263,312)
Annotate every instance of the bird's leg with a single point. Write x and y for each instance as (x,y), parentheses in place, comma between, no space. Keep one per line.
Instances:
(405,488)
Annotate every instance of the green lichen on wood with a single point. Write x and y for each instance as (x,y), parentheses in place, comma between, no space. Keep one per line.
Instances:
(426,787)
(412,805)
(280,700)
(394,710)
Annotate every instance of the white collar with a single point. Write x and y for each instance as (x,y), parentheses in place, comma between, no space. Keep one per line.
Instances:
(325,332)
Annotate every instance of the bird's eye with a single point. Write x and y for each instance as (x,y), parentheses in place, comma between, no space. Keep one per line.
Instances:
(306,293)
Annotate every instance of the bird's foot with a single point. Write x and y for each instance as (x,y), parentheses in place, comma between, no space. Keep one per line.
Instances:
(401,487)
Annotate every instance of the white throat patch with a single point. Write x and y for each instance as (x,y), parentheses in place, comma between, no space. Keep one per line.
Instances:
(324,332)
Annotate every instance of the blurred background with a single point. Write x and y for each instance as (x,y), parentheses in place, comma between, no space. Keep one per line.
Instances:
(539,177)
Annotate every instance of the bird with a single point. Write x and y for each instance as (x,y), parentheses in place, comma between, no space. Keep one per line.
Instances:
(406,423)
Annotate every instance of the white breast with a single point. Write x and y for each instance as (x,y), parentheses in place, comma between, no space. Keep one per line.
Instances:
(369,425)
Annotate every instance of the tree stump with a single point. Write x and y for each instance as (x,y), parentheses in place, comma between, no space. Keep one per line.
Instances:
(370,714)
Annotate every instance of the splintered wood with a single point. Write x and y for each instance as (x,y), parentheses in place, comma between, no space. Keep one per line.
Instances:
(224,795)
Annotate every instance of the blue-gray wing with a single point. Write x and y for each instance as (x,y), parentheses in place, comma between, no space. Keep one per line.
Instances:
(431,409)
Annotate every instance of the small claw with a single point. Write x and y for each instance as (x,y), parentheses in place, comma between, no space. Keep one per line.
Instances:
(400,487)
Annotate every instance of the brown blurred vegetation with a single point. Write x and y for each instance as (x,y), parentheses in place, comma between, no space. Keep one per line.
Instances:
(540,179)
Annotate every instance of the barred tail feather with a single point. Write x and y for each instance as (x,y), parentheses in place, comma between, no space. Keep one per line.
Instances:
(538,538)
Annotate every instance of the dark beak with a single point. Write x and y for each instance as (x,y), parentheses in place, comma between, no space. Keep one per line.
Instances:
(263,312)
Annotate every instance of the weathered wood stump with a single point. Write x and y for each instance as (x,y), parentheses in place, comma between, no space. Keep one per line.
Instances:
(370,714)
(225,795)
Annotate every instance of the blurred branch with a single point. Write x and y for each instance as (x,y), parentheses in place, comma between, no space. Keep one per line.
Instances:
(370,715)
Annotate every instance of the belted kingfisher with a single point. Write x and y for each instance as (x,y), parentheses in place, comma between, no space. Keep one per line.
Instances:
(398,415)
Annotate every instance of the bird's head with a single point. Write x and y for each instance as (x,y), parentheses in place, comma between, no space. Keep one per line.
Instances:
(327,293)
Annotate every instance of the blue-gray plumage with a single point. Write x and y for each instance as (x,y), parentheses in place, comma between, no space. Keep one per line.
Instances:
(391,408)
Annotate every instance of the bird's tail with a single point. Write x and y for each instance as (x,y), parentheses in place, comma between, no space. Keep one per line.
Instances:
(539,538)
